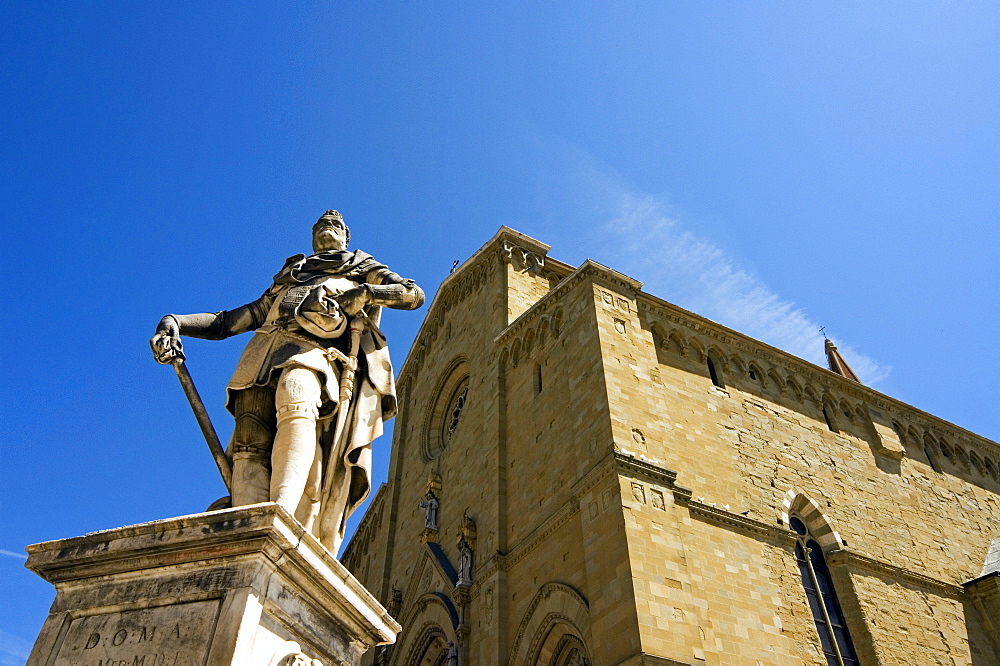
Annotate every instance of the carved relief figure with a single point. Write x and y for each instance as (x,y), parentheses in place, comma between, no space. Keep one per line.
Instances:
(430,507)
(314,384)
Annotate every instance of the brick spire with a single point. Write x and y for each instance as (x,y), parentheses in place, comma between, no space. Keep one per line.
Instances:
(837,362)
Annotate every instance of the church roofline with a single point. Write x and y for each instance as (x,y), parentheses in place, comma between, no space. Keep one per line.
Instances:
(847,386)
(700,324)
(588,267)
(504,233)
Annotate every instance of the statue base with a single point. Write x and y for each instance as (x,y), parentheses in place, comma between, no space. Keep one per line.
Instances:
(245,586)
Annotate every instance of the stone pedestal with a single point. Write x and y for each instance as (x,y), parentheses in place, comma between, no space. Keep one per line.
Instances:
(246,586)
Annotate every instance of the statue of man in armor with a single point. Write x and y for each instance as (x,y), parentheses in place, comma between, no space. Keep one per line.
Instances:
(315,330)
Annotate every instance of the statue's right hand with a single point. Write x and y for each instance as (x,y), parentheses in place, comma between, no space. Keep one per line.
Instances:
(166,343)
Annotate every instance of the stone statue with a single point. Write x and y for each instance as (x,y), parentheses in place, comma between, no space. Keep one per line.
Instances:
(451,656)
(290,653)
(300,659)
(464,562)
(314,384)
(430,507)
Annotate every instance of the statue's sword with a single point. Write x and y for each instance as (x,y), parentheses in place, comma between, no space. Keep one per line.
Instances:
(201,414)
(355,328)
(347,377)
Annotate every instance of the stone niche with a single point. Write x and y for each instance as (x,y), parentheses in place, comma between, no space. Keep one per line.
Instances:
(244,586)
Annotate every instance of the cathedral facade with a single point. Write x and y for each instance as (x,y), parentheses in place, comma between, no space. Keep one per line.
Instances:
(583,473)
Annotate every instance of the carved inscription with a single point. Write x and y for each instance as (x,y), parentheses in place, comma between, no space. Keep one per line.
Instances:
(177,635)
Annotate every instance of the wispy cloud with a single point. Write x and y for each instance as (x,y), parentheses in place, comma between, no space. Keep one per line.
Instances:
(701,277)
(9,553)
(639,237)
(14,650)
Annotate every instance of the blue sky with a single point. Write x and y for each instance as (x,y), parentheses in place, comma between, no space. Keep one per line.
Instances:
(774,166)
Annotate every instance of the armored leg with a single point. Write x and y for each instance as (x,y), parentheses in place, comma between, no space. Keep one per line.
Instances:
(295,458)
(251,451)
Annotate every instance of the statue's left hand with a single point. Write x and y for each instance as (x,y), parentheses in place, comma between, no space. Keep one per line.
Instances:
(352,300)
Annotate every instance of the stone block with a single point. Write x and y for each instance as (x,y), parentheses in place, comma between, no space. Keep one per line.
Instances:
(244,586)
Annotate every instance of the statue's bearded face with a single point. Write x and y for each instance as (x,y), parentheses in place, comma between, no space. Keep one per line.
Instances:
(330,233)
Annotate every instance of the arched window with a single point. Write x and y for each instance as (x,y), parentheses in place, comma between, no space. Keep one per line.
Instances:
(827,614)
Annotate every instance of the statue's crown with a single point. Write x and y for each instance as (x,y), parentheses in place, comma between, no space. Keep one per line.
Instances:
(332,213)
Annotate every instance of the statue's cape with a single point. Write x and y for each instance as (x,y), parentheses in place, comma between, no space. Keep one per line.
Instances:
(353,265)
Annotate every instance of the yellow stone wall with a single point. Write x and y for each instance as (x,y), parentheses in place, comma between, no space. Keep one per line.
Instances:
(624,501)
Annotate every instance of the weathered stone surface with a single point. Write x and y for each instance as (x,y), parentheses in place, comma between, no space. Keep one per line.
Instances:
(241,586)
(174,634)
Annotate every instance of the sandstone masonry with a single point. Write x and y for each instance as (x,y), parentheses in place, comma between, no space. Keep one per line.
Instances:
(628,478)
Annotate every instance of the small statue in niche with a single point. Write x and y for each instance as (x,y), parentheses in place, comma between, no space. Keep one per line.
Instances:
(430,507)
(395,602)
(451,656)
(464,563)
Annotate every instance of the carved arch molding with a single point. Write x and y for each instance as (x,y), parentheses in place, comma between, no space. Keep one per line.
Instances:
(428,626)
(554,629)
(430,648)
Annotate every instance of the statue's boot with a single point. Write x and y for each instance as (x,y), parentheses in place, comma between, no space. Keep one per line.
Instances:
(251,445)
(295,458)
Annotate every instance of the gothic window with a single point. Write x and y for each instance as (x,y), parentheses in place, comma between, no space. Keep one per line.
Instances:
(990,467)
(713,373)
(945,450)
(838,648)
(831,423)
(975,461)
(454,413)
(930,459)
